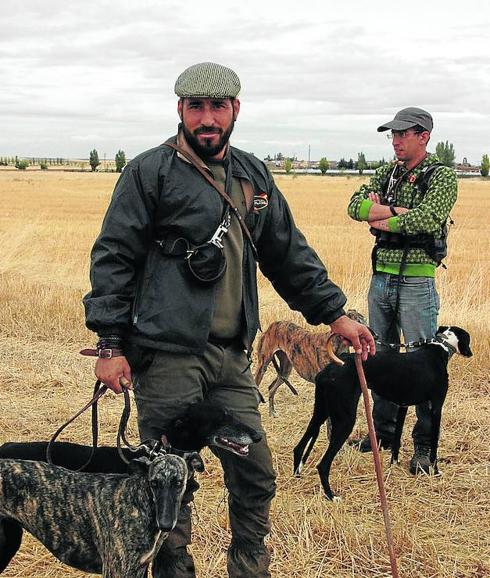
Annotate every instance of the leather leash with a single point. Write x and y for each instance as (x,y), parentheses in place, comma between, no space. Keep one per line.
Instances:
(121,432)
(377,464)
(99,391)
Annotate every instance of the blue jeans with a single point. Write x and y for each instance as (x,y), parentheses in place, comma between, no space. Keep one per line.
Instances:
(416,319)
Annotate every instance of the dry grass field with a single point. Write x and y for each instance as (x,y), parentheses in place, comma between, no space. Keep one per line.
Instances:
(441,525)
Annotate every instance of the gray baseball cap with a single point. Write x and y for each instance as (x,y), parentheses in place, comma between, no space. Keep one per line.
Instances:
(407,118)
(208,80)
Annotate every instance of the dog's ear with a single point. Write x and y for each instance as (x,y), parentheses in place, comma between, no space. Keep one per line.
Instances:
(164,441)
(194,461)
(442,328)
(139,465)
(463,341)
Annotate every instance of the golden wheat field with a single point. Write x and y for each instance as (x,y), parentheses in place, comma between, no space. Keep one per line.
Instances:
(48,222)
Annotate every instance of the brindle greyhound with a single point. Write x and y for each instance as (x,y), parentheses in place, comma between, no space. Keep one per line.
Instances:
(289,347)
(109,524)
(200,424)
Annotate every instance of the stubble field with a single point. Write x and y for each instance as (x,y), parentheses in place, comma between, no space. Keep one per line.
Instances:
(48,222)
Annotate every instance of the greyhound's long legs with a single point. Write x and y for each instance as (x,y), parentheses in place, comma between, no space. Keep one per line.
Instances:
(400,421)
(10,541)
(283,367)
(340,433)
(305,445)
(436,412)
(343,417)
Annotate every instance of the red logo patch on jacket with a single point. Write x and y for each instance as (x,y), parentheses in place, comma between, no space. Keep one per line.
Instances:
(260,201)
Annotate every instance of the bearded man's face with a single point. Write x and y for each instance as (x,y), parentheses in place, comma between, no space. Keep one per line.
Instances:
(207,123)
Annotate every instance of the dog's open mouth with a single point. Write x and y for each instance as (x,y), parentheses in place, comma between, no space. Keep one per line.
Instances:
(231,445)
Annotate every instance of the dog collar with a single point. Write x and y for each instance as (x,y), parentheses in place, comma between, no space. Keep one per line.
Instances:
(450,349)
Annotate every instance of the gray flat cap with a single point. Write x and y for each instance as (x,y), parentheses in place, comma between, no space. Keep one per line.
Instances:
(208,80)
(407,118)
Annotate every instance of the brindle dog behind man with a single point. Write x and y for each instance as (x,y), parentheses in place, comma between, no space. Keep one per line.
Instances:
(288,346)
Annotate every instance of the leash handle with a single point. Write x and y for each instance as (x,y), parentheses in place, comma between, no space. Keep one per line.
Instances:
(99,391)
(377,464)
(121,432)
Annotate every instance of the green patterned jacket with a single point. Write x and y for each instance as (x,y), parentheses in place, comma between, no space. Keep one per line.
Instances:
(427,215)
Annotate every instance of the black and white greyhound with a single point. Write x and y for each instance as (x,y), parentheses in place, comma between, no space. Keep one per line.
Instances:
(404,379)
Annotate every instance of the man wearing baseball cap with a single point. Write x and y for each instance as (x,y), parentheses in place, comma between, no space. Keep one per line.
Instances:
(174,296)
(406,205)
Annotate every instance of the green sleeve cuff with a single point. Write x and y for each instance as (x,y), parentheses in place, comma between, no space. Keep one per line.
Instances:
(393,225)
(364,209)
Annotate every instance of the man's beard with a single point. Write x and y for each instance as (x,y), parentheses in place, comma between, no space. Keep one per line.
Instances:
(207,149)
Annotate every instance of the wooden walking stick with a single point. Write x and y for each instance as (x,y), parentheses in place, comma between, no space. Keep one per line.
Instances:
(375,449)
(377,465)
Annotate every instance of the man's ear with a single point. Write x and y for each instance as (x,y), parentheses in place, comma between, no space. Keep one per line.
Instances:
(180,105)
(236,108)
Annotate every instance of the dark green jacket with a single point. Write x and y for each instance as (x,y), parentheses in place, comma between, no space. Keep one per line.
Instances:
(148,297)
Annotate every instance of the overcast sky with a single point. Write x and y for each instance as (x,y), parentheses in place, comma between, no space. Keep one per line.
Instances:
(75,75)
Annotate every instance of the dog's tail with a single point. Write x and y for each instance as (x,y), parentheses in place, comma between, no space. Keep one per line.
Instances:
(261,360)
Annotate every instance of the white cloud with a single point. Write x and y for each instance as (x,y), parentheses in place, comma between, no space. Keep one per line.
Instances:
(313,73)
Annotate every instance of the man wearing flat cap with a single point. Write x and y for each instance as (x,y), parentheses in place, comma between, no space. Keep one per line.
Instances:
(174,296)
(406,205)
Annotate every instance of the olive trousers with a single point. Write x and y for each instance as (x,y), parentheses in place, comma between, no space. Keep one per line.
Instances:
(164,383)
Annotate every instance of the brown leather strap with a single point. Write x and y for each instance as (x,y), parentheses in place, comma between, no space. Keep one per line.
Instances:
(248,192)
(121,432)
(220,190)
(99,390)
(106,353)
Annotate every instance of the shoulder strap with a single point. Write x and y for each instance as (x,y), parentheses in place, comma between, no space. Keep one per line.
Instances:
(386,180)
(426,175)
(220,190)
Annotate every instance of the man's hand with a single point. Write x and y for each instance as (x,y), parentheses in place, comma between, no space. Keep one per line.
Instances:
(110,371)
(356,334)
(374,197)
(379,212)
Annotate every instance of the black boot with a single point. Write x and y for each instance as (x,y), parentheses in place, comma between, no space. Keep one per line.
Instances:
(248,560)
(173,560)
(420,462)
(176,563)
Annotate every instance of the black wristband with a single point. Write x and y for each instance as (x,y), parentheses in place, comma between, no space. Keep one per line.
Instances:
(109,342)
(393,212)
